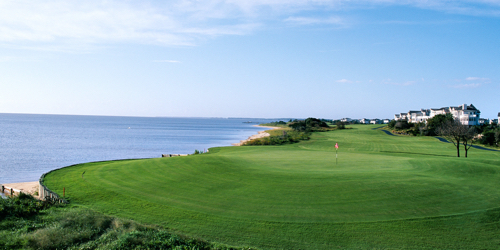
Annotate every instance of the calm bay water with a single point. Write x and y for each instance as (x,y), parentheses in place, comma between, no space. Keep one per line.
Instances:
(31,145)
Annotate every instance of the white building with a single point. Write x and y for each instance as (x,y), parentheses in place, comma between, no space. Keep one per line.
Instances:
(364,121)
(468,115)
(484,121)
(402,116)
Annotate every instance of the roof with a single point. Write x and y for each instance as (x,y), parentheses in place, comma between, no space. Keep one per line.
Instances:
(471,107)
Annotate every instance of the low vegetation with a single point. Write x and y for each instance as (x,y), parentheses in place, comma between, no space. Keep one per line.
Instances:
(276,124)
(489,135)
(27,223)
(309,125)
(293,131)
(279,137)
(21,206)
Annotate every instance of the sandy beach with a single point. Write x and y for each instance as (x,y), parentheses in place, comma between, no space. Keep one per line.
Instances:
(25,187)
(260,134)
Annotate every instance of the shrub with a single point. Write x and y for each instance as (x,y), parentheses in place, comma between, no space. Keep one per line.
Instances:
(340,125)
(276,123)
(286,138)
(309,124)
(400,125)
(80,228)
(488,138)
(21,206)
(391,124)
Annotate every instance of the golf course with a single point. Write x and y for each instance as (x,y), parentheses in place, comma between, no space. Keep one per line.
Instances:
(381,191)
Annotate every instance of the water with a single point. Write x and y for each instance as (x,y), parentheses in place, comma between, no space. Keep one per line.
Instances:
(31,145)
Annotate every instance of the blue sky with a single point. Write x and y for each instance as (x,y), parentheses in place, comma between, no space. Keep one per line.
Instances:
(242,58)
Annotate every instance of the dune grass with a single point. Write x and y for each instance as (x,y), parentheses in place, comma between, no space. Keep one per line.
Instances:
(384,192)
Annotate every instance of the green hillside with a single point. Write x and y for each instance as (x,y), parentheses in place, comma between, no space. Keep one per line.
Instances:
(384,192)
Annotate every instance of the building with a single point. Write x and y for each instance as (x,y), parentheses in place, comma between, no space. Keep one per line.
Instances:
(364,121)
(466,114)
(484,121)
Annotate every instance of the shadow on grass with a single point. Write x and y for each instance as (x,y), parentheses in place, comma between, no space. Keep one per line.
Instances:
(474,146)
(383,130)
(413,153)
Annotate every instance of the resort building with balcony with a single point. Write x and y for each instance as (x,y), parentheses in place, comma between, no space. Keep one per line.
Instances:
(466,114)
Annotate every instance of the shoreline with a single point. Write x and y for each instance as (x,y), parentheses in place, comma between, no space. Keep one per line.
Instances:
(260,134)
(25,187)
(32,186)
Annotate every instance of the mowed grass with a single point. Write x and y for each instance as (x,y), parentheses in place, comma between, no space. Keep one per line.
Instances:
(384,192)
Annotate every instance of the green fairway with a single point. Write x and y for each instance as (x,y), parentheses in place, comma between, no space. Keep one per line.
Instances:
(384,192)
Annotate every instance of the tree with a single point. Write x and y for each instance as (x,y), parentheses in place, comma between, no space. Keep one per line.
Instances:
(391,124)
(497,137)
(488,138)
(403,124)
(468,137)
(341,125)
(436,122)
(309,124)
(454,131)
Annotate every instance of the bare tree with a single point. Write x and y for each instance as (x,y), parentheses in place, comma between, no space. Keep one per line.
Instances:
(468,137)
(454,131)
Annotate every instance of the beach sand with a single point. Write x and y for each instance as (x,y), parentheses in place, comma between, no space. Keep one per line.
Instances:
(260,134)
(25,187)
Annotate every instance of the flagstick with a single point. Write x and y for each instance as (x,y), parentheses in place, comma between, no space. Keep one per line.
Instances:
(336,154)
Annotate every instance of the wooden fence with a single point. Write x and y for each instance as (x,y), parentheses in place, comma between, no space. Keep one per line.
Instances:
(46,194)
(10,191)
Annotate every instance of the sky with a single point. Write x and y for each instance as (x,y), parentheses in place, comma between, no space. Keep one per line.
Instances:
(248,58)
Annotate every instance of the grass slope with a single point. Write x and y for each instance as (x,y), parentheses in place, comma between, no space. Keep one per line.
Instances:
(385,192)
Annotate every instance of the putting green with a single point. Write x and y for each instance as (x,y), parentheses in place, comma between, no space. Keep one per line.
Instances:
(299,196)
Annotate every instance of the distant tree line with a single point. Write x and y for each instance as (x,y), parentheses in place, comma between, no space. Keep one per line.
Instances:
(300,130)
(309,125)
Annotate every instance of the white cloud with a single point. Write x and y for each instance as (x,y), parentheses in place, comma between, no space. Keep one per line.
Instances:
(84,22)
(466,86)
(94,22)
(476,79)
(344,81)
(60,23)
